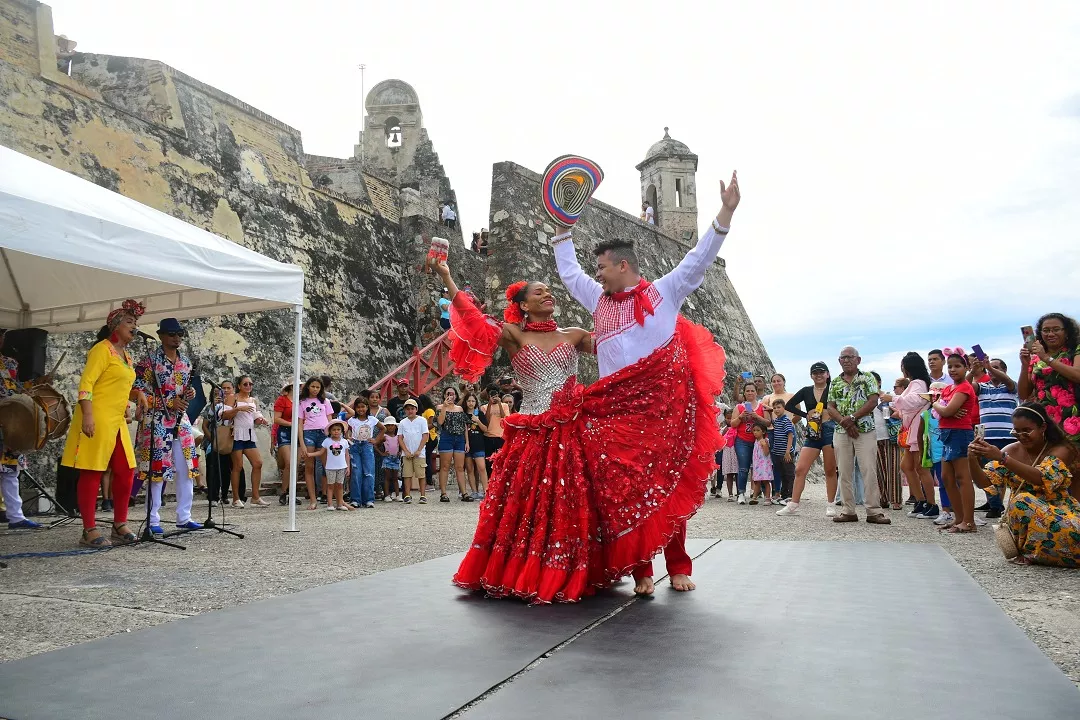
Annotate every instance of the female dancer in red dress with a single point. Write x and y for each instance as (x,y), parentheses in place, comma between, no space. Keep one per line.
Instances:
(547,532)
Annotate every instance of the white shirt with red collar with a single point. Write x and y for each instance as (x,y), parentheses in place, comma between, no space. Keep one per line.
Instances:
(620,340)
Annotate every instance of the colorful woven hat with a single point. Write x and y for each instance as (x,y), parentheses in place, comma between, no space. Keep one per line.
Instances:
(568,183)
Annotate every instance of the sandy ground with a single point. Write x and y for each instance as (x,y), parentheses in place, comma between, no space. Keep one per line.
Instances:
(52,602)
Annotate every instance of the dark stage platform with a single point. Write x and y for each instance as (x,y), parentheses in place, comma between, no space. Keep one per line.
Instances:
(775,630)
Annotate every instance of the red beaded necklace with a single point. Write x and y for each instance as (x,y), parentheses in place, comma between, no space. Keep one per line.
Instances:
(542,327)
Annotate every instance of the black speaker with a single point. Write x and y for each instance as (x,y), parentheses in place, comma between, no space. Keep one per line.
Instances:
(67,489)
(28,348)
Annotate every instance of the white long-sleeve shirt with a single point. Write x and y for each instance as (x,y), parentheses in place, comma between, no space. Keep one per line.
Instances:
(620,341)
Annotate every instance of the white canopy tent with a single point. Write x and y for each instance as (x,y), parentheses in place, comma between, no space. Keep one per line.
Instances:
(72,251)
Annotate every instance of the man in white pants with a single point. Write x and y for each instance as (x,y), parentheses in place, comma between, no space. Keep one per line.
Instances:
(165,447)
(852,399)
(10,463)
(634,318)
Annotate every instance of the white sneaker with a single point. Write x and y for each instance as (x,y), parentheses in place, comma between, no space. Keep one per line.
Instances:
(945,518)
(395,498)
(792,508)
(238,503)
(330,507)
(258,503)
(742,498)
(830,511)
(389,499)
(979,521)
(767,501)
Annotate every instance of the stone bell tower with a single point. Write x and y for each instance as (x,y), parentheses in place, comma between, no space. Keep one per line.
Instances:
(392,128)
(667,182)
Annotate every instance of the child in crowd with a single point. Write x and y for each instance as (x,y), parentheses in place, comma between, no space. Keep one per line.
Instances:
(956,434)
(334,455)
(414,436)
(729,461)
(782,442)
(762,466)
(390,452)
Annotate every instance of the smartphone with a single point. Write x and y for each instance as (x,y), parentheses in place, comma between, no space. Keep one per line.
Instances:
(1029,334)
(977,349)
(980,432)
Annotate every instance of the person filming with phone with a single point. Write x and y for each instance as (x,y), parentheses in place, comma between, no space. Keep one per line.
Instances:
(997,401)
(1050,371)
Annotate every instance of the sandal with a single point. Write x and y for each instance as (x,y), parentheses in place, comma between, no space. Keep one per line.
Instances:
(444,498)
(97,540)
(313,506)
(122,535)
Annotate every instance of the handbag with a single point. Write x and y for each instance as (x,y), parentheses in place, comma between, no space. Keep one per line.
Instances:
(223,439)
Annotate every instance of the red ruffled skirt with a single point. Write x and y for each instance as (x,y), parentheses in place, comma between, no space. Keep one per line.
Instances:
(585,492)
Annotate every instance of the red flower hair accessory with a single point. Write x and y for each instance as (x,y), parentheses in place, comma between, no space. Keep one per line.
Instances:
(512,313)
(130,307)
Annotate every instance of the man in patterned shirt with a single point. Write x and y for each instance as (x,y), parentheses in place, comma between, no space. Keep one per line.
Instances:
(165,447)
(11,464)
(852,399)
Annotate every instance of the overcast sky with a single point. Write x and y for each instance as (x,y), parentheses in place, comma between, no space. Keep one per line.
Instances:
(909,171)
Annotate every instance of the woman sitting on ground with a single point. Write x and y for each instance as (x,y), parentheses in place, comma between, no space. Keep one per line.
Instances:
(1042,518)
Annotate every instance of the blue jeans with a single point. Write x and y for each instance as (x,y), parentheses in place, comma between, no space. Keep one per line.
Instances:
(362,477)
(936,472)
(856,478)
(744,451)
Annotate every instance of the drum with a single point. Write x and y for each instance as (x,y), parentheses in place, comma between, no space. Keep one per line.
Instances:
(30,420)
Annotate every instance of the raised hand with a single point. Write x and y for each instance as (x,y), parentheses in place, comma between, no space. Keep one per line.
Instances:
(442,268)
(729,194)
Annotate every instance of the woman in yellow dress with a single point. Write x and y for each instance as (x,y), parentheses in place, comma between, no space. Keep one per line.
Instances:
(99,438)
(1043,519)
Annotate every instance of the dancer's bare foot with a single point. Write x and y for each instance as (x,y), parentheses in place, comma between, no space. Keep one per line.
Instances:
(682,582)
(644,586)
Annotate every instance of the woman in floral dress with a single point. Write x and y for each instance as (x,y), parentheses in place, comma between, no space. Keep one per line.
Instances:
(1042,517)
(1051,370)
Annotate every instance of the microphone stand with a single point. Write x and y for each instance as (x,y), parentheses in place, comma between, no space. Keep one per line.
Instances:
(212,430)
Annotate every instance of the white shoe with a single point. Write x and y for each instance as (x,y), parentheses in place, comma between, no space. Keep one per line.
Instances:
(389,499)
(395,498)
(767,501)
(260,502)
(792,508)
(238,503)
(980,522)
(945,518)
(742,499)
(330,507)
(830,511)
(343,506)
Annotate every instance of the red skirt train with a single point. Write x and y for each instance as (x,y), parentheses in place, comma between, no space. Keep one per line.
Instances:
(598,484)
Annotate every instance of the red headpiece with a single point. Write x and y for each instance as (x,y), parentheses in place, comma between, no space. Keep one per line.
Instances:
(133,308)
(512,313)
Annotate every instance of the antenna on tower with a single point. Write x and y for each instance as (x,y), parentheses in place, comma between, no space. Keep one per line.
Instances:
(363,114)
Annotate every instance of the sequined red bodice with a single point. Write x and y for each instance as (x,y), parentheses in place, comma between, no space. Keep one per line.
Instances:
(541,373)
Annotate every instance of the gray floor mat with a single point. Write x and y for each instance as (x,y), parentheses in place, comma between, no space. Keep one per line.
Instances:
(403,644)
(800,630)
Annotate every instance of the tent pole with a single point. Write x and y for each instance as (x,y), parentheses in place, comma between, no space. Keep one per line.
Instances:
(299,310)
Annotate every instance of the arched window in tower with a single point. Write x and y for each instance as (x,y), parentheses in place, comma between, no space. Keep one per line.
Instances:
(650,195)
(393,132)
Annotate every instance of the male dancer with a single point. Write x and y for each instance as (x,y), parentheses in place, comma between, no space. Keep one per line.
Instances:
(11,464)
(165,448)
(633,318)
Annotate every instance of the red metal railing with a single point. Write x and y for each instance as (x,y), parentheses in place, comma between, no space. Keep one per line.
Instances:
(424,370)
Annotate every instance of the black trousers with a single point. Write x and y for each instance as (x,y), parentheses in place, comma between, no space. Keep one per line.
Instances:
(219,475)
